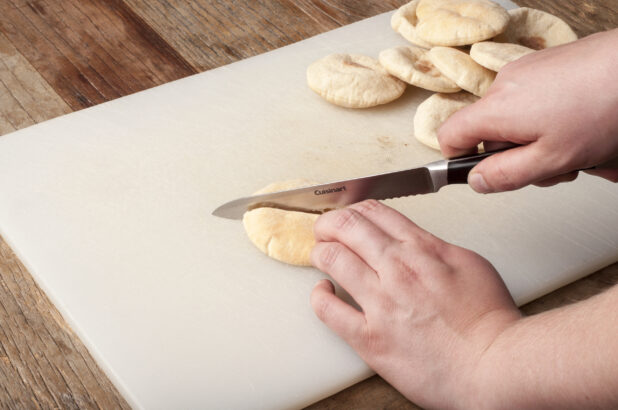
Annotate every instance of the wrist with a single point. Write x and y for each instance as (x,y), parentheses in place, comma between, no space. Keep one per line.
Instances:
(484,387)
(478,368)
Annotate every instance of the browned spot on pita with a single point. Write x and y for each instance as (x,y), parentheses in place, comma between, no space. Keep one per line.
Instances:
(534,42)
(423,66)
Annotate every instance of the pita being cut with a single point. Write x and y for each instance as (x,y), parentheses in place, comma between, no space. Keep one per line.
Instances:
(286,236)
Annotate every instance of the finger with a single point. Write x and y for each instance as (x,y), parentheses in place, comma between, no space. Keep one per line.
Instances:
(514,169)
(342,318)
(346,268)
(571,176)
(352,229)
(463,131)
(389,220)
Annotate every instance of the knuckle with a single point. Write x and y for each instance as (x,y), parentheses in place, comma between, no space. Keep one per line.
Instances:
(325,256)
(410,265)
(387,306)
(346,219)
(462,257)
(373,345)
(367,206)
(560,162)
(503,179)
(399,264)
(405,272)
(321,307)
(434,246)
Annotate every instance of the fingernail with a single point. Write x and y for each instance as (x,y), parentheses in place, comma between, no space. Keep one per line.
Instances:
(477,182)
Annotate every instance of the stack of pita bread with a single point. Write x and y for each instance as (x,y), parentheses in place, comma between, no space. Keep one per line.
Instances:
(457,47)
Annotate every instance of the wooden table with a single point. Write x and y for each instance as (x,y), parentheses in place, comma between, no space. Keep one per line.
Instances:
(61,56)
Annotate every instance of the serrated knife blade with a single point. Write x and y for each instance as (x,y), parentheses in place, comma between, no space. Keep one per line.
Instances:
(323,197)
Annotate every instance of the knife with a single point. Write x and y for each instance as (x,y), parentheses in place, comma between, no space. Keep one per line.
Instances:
(324,197)
(321,198)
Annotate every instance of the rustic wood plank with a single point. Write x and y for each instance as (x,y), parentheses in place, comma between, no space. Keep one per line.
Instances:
(209,34)
(89,51)
(335,14)
(12,115)
(585,17)
(25,97)
(373,393)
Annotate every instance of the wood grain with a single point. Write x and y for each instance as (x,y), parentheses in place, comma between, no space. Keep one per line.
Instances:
(61,56)
(89,51)
(585,17)
(26,98)
(212,33)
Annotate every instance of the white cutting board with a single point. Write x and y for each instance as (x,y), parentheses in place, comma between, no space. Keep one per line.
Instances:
(109,209)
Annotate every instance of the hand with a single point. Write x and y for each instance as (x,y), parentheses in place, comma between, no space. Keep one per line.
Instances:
(429,309)
(560,103)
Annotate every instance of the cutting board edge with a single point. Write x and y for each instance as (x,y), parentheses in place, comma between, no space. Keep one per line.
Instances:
(555,285)
(72,324)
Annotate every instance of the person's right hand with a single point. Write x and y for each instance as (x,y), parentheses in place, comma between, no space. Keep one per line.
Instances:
(560,104)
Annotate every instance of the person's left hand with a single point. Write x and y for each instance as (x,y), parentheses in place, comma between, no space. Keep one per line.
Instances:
(429,309)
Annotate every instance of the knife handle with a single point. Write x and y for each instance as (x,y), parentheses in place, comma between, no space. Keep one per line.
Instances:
(459,168)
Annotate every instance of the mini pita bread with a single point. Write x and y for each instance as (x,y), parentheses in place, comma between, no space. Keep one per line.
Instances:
(494,56)
(461,68)
(432,113)
(286,236)
(404,22)
(536,29)
(459,22)
(354,81)
(411,64)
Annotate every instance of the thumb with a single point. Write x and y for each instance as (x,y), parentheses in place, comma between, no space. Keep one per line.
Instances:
(513,169)
(463,131)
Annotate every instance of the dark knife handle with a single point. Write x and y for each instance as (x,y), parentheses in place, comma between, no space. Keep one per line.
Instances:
(459,168)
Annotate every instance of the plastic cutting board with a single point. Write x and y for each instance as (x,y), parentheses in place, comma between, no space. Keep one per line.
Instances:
(109,209)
